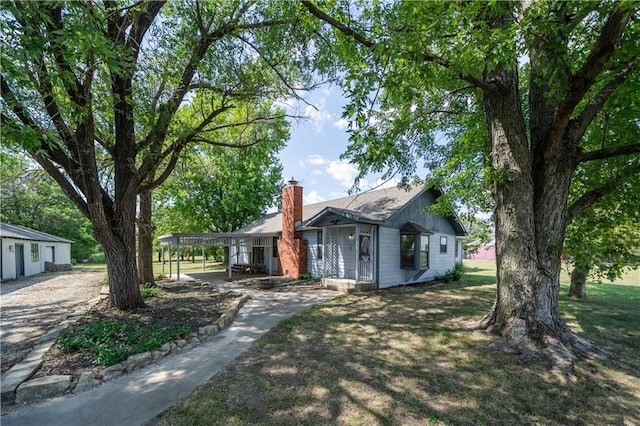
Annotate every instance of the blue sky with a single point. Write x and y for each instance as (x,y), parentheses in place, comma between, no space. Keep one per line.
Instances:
(312,155)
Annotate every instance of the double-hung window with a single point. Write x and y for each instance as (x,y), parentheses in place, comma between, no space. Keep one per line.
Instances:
(414,251)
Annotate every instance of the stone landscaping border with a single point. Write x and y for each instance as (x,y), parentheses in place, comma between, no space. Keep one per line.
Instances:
(16,386)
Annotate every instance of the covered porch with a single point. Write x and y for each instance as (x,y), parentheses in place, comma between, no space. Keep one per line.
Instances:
(244,253)
(349,250)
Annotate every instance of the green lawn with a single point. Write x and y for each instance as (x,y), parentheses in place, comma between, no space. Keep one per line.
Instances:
(186,266)
(406,356)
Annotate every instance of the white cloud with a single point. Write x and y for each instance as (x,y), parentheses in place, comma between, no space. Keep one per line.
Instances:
(316,172)
(318,115)
(316,159)
(379,183)
(341,124)
(312,197)
(343,172)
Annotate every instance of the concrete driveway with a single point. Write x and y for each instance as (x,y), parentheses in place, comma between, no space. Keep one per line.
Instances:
(136,398)
(31,306)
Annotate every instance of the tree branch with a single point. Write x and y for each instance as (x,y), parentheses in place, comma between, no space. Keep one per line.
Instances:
(612,151)
(591,197)
(361,39)
(55,25)
(579,125)
(247,122)
(67,188)
(579,83)
(175,156)
(344,29)
(292,90)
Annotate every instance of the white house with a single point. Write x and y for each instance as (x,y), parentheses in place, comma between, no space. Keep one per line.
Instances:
(372,240)
(28,252)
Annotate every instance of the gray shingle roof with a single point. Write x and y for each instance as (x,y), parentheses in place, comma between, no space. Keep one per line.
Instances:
(376,206)
(23,233)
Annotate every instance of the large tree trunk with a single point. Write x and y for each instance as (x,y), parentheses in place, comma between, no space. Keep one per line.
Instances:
(145,240)
(512,315)
(578,286)
(530,193)
(118,240)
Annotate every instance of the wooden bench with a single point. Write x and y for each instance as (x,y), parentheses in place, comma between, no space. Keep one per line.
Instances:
(240,267)
(253,268)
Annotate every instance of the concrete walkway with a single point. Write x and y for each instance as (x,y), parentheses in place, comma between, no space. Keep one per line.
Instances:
(137,398)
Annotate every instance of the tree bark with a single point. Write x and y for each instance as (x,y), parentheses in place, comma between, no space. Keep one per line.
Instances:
(529,221)
(578,286)
(117,238)
(145,240)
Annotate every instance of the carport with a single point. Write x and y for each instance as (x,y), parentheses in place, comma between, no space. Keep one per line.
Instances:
(247,252)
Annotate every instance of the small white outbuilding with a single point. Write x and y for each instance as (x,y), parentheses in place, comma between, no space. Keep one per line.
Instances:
(26,252)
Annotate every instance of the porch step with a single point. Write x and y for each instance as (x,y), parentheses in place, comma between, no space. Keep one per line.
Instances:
(348,285)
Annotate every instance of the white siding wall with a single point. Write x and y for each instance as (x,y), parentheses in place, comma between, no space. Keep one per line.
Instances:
(60,255)
(314,265)
(36,266)
(460,256)
(8,259)
(63,253)
(273,252)
(390,273)
(441,262)
(347,253)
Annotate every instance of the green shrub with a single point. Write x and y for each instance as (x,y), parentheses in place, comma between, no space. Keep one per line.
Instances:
(451,275)
(111,342)
(150,290)
(306,276)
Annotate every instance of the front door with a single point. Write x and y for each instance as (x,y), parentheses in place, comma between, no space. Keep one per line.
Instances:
(331,253)
(19,260)
(258,255)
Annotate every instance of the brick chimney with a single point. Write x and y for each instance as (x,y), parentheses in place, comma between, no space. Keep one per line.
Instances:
(292,250)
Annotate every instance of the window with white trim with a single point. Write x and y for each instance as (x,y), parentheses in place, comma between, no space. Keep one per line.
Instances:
(35,252)
(424,252)
(443,244)
(408,251)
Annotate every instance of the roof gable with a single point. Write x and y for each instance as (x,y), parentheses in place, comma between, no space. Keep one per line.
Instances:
(23,233)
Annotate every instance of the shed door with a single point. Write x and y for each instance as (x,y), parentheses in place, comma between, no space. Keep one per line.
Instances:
(50,254)
(19,260)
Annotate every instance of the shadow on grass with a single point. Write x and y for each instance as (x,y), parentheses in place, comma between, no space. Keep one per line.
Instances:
(401,357)
(608,316)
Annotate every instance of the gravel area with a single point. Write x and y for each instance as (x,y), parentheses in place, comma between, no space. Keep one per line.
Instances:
(31,306)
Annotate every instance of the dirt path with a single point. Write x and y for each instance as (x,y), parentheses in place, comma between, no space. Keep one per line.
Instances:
(31,306)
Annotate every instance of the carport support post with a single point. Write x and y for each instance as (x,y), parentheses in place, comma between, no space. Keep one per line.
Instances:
(178,257)
(357,252)
(203,266)
(230,241)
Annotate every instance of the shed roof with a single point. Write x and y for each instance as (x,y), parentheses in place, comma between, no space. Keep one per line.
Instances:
(375,206)
(23,233)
